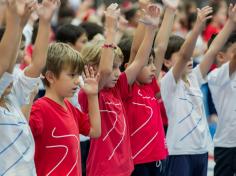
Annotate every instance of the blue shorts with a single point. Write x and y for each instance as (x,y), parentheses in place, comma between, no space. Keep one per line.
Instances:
(187,165)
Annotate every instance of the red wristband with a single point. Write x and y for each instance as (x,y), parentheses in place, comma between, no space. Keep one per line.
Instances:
(109,46)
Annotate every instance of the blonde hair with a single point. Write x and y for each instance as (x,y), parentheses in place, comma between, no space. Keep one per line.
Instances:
(61,56)
(91,53)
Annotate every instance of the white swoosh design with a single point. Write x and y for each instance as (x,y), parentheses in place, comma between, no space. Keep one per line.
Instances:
(66,153)
(114,124)
(144,146)
(149,118)
(113,127)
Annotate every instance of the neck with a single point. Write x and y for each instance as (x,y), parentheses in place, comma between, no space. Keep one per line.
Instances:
(50,93)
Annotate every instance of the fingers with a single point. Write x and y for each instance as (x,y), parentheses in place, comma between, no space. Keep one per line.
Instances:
(89,72)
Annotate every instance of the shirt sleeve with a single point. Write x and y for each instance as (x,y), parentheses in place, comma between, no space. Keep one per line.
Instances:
(23,87)
(83,101)
(219,76)
(36,120)
(168,86)
(122,86)
(198,75)
(155,86)
(5,81)
(84,123)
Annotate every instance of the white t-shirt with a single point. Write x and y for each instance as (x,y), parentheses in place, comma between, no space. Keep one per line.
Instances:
(188,131)
(17,143)
(223,90)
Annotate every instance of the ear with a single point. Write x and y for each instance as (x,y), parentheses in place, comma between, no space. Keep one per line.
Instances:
(220,58)
(126,65)
(167,63)
(50,77)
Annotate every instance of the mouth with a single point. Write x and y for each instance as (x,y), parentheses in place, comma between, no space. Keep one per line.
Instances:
(190,65)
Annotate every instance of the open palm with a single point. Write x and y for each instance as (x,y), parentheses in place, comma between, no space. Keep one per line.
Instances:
(47,8)
(90,85)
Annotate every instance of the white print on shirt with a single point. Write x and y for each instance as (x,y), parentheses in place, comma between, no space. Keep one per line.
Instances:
(113,127)
(196,109)
(66,151)
(145,123)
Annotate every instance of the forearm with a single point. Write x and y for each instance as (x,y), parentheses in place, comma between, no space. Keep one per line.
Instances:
(162,38)
(107,55)
(215,47)
(137,40)
(186,51)
(40,50)
(94,115)
(10,43)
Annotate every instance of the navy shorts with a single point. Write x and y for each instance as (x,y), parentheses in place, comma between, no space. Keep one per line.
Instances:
(187,165)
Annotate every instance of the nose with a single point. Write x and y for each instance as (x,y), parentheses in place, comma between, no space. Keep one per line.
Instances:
(77,80)
(117,72)
(153,67)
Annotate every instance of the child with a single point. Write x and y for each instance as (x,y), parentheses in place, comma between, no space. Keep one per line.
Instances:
(188,135)
(111,153)
(222,83)
(142,107)
(75,36)
(17,145)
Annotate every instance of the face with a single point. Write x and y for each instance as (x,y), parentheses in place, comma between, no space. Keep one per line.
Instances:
(80,42)
(230,53)
(147,73)
(221,15)
(112,80)
(174,58)
(66,84)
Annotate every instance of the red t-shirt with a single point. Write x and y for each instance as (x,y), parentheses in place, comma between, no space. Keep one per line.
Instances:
(110,154)
(145,124)
(209,31)
(56,133)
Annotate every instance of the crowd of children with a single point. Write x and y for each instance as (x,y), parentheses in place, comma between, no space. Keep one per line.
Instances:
(130,77)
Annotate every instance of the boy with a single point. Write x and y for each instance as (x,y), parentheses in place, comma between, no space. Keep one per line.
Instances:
(17,140)
(222,83)
(55,122)
(188,135)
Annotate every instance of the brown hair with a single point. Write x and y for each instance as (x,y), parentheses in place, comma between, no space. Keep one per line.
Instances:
(91,53)
(61,56)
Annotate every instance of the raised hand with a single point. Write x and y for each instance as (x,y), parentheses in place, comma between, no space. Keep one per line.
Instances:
(152,16)
(232,13)
(91,80)
(46,9)
(112,13)
(22,9)
(203,15)
(173,4)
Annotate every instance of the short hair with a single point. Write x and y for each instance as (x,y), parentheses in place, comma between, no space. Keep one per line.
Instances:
(61,56)
(69,33)
(229,42)
(130,13)
(174,45)
(91,53)
(125,46)
(92,29)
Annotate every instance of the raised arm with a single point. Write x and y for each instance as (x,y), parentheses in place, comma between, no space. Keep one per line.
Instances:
(90,87)
(138,34)
(163,35)
(151,21)
(17,13)
(107,55)
(219,42)
(45,12)
(186,51)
